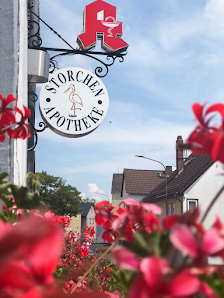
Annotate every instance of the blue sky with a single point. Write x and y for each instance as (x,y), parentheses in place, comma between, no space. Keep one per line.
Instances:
(175,58)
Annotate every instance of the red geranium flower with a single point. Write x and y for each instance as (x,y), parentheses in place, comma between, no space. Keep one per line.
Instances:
(6,114)
(22,129)
(29,253)
(207,138)
(105,215)
(136,217)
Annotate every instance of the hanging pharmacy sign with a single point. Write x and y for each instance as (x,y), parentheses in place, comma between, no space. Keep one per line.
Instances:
(73,102)
(100,22)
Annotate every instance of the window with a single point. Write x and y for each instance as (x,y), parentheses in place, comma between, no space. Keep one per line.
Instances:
(90,221)
(191,204)
(77,217)
(171,208)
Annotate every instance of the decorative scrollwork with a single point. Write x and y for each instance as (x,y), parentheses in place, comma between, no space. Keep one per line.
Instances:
(33,96)
(99,70)
(43,125)
(35,131)
(34,38)
(53,65)
(35,143)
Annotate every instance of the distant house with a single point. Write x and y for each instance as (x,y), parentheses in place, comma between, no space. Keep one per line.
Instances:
(75,224)
(195,182)
(116,189)
(87,216)
(136,184)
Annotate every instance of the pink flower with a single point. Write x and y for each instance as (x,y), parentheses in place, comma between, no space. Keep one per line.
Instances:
(208,244)
(155,278)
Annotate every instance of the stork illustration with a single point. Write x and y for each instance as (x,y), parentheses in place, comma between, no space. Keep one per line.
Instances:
(74,98)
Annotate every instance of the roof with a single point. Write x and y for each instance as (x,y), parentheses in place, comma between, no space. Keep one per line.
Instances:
(117,183)
(85,207)
(141,181)
(194,167)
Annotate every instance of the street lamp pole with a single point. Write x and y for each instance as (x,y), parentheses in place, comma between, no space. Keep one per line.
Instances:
(103,195)
(165,176)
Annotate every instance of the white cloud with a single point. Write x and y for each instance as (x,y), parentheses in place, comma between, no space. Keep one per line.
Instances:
(214,12)
(126,133)
(213,59)
(82,195)
(174,32)
(93,188)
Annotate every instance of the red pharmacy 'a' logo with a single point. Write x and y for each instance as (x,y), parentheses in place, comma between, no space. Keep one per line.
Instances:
(100,22)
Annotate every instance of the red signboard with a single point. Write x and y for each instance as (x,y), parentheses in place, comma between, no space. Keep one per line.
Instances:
(100,21)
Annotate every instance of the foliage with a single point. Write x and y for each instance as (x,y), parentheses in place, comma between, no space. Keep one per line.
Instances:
(60,198)
(88,200)
(167,259)
(16,197)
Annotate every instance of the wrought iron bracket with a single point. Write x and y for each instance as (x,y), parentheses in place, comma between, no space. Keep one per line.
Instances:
(110,57)
(42,126)
(35,42)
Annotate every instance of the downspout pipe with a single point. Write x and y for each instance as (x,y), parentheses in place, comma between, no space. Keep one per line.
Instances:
(181,203)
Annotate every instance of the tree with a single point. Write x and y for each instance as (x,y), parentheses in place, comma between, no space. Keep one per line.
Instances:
(88,200)
(59,198)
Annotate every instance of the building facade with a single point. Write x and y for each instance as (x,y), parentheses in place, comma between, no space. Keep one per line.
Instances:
(13,74)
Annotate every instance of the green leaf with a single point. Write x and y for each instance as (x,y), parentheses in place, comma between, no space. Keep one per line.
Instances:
(215,282)
(24,199)
(3,176)
(140,245)
(6,217)
(124,278)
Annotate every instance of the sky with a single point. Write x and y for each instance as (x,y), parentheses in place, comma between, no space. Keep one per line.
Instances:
(175,58)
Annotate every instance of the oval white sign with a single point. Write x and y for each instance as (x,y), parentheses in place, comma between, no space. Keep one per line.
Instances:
(73,102)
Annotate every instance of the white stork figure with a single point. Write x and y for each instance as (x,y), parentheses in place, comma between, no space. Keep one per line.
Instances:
(74,98)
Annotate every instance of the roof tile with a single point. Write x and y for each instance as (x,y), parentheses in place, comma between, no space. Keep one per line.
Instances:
(141,181)
(117,183)
(194,167)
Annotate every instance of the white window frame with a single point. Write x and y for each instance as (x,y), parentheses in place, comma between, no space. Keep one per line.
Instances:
(171,208)
(192,200)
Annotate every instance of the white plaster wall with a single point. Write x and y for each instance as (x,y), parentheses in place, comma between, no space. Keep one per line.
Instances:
(136,197)
(20,146)
(204,189)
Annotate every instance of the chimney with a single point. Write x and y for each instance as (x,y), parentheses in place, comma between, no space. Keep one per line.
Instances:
(168,170)
(179,154)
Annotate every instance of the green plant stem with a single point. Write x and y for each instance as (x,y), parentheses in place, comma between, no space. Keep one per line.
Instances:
(27,175)
(212,203)
(95,263)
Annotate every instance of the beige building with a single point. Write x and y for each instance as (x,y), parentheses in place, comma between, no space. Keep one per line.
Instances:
(116,189)
(75,224)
